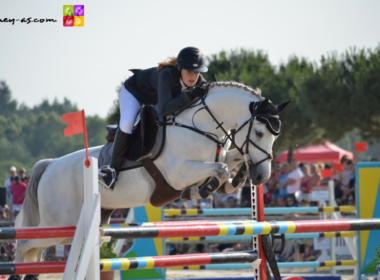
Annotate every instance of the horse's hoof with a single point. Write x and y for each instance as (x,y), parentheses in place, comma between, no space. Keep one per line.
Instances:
(31,277)
(207,190)
(190,193)
(186,194)
(15,277)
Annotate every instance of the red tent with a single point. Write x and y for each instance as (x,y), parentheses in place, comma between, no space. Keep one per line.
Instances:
(326,152)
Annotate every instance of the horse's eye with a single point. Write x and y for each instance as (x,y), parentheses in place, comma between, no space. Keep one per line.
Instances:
(259,133)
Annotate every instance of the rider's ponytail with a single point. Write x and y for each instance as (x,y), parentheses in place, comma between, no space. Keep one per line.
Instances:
(170,61)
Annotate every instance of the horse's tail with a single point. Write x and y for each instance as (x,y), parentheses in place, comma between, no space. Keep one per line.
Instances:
(29,215)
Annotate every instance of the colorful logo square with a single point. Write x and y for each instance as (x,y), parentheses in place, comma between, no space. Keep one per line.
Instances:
(78,10)
(68,10)
(78,21)
(68,21)
(73,15)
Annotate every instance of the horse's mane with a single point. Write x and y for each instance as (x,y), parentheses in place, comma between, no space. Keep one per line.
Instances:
(256,92)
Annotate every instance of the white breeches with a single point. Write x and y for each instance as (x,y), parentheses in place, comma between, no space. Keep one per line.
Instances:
(129,108)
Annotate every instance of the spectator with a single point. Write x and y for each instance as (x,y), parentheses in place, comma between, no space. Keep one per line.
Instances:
(26,180)
(281,202)
(231,202)
(22,174)
(305,189)
(293,180)
(183,206)
(315,177)
(281,185)
(12,173)
(18,191)
(345,177)
(246,193)
(311,254)
(351,200)
(8,183)
(273,203)
(325,180)
(235,194)
(291,202)
(287,254)
(272,193)
(236,247)
(338,192)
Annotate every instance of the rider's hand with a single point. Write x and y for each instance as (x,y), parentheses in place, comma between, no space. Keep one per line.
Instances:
(198,91)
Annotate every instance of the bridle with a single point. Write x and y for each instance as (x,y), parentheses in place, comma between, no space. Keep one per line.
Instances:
(244,151)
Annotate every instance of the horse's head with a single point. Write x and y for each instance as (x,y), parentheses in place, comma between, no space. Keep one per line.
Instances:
(256,137)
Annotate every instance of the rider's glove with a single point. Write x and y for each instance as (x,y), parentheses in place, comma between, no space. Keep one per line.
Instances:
(198,91)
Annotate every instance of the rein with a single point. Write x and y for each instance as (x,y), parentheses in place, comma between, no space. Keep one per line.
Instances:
(253,106)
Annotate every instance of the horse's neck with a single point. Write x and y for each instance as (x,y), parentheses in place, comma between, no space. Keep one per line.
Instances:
(229,106)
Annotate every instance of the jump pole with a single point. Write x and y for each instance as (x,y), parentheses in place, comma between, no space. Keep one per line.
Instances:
(137,263)
(267,211)
(246,228)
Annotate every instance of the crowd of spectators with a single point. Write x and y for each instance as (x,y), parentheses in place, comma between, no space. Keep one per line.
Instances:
(288,186)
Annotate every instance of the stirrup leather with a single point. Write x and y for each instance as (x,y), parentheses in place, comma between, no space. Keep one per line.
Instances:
(104,170)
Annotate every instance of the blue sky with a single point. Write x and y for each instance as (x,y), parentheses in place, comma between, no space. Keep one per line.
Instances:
(46,60)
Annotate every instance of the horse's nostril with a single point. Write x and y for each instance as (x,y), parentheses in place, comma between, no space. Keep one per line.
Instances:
(259,178)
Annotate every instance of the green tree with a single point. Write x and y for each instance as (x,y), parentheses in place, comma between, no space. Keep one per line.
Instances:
(363,69)
(343,93)
(7,105)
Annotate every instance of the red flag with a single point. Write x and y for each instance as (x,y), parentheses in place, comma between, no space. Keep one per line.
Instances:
(361,147)
(77,125)
(326,173)
(338,167)
(75,121)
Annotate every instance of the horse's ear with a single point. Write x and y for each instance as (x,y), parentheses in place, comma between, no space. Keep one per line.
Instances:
(282,106)
(263,106)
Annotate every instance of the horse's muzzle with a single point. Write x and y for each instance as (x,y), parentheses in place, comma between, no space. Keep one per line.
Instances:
(258,175)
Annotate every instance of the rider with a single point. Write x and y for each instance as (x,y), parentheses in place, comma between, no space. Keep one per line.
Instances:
(170,86)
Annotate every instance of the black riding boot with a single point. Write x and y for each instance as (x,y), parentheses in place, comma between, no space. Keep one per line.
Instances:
(120,146)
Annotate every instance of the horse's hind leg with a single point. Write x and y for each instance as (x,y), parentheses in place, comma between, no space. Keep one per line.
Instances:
(31,255)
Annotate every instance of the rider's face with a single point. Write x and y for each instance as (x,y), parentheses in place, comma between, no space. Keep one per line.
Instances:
(189,77)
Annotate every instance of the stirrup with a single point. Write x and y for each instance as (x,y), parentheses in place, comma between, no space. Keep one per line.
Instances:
(104,170)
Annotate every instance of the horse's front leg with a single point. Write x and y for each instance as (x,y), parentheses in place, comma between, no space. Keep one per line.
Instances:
(194,174)
(235,183)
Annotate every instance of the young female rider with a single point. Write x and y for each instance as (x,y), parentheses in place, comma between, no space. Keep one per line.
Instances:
(170,86)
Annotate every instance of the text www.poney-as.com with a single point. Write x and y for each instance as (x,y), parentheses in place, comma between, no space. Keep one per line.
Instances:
(27,20)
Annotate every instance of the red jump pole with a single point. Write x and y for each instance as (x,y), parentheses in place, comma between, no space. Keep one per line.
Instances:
(260,211)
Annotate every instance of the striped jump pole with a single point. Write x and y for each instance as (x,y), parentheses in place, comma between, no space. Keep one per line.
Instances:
(37,232)
(267,211)
(248,237)
(134,263)
(236,266)
(245,228)
(197,229)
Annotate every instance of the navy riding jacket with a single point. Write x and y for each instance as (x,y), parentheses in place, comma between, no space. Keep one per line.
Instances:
(161,88)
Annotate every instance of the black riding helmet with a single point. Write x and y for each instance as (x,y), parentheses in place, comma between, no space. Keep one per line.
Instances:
(191,59)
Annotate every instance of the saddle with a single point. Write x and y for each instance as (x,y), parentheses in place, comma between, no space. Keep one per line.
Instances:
(147,142)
